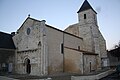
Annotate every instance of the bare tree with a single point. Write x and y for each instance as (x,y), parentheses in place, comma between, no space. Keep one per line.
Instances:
(117,45)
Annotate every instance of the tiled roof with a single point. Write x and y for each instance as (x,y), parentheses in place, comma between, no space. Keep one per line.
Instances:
(85,6)
(6,41)
(115,52)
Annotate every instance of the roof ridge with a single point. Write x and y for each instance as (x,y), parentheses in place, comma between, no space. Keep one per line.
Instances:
(5,33)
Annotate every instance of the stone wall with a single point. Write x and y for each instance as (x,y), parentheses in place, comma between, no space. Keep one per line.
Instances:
(73,42)
(7,56)
(34,60)
(89,63)
(30,40)
(31,44)
(102,44)
(73,29)
(113,61)
(92,37)
(55,56)
(90,17)
(73,61)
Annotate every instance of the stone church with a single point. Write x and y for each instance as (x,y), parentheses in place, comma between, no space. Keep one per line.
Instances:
(41,49)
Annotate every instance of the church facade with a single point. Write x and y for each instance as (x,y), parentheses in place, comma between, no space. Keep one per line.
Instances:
(42,49)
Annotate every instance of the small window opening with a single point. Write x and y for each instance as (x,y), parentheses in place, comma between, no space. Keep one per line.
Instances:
(84,16)
(78,47)
(62,50)
(94,17)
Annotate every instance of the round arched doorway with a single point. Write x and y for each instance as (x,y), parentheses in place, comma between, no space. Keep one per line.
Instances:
(28,66)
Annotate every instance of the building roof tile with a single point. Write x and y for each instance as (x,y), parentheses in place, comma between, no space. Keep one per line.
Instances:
(6,41)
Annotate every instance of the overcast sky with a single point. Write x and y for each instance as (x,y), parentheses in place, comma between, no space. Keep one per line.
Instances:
(61,14)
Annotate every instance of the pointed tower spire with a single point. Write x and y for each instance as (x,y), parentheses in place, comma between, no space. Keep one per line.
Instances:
(85,6)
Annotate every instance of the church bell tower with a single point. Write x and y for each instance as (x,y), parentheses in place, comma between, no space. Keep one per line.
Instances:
(88,28)
(86,14)
(89,31)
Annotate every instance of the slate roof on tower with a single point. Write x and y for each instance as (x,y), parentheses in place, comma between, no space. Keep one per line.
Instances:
(85,6)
